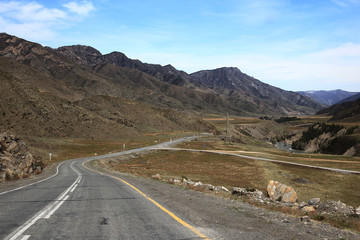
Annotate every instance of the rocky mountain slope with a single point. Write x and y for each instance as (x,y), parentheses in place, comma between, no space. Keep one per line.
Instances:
(15,159)
(327,98)
(344,112)
(251,94)
(329,139)
(249,97)
(31,110)
(76,91)
(349,99)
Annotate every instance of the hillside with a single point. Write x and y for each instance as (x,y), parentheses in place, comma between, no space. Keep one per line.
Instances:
(327,98)
(28,109)
(251,94)
(344,112)
(212,99)
(349,99)
(76,91)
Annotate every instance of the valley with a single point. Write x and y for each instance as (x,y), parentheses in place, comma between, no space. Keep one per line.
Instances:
(74,103)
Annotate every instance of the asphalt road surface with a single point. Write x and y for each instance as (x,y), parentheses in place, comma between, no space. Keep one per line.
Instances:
(79,203)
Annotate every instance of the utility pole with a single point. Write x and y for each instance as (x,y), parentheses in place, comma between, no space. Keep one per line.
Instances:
(227,139)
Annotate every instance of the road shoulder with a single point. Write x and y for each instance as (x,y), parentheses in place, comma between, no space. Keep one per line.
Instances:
(222,218)
(49,171)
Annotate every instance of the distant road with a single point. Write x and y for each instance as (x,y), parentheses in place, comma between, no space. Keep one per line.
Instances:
(83,202)
(79,203)
(263,159)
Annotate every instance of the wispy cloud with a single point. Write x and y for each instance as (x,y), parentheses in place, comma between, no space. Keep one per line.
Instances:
(35,21)
(346,3)
(30,12)
(254,12)
(82,9)
(328,69)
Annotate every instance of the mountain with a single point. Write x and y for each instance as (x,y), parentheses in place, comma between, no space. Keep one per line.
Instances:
(327,98)
(76,91)
(349,99)
(251,94)
(345,112)
(86,55)
(45,94)
(262,99)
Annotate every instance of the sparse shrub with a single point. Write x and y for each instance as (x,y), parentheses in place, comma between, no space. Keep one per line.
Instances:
(286,119)
(315,131)
(339,145)
(184,177)
(351,130)
(319,217)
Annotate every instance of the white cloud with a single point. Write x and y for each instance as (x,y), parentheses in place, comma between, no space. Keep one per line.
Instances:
(82,9)
(35,21)
(329,69)
(343,51)
(29,12)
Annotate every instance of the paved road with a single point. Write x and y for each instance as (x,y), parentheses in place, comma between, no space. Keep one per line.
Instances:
(78,203)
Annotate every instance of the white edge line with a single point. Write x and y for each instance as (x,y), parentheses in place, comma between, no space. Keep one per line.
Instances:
(12,190)
(20,230)
(56,207)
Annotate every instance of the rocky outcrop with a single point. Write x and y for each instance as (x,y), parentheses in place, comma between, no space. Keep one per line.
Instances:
(329,139)
(281,192)
(15,159)
(335,208)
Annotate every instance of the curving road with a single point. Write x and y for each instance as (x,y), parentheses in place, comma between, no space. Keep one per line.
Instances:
(80,203)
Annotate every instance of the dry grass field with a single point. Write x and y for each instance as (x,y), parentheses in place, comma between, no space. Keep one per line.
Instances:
(231,171)
(63,149)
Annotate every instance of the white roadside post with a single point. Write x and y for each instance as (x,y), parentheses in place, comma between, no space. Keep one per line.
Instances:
(124,147)
(50,157)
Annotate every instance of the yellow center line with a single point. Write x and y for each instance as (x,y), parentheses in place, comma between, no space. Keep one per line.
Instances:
(185,224)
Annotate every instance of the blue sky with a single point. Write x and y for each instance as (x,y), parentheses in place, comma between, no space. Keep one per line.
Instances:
(294,45)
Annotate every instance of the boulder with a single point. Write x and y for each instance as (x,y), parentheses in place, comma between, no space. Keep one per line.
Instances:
(335,207)
(302,204)
(156,176)
(305,219)
(239,191)
(281,192)
(309,209)
(257,195)
(314,201)
(357,211)
(177,181)
(189,183)
(209,187)
(15,159)
(224,189)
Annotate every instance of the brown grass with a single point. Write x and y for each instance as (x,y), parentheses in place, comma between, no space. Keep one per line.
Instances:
(232,171)
(63,149)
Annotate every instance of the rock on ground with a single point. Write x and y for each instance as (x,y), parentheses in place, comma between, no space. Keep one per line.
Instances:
(15,159)
(281,192)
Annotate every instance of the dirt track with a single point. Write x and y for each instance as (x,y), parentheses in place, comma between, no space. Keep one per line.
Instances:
(263,159)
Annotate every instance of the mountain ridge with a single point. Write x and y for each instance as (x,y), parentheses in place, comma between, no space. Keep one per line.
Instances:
(175,77)
(327,98)
(85,72)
